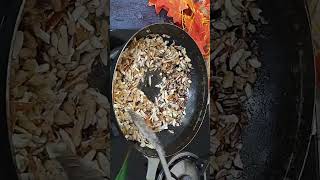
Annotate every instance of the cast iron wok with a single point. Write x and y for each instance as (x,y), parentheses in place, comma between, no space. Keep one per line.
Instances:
(197,96)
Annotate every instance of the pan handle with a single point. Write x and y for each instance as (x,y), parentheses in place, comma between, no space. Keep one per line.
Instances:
(153,164)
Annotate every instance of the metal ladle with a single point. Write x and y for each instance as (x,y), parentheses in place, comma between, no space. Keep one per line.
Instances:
(153,139)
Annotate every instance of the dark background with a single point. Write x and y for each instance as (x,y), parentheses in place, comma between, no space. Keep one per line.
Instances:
(132,14)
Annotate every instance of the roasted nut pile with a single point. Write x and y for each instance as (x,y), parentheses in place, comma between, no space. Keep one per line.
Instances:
(234,60)
(55,47)
(150,54)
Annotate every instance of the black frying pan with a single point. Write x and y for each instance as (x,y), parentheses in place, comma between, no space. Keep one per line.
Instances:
(281,124)
(275,143)
(198,92)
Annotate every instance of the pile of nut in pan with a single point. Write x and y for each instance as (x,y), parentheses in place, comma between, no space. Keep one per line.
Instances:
(234,69)
(55,46)
(151,54)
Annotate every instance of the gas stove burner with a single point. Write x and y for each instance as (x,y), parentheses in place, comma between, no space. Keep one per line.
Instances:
(186,166)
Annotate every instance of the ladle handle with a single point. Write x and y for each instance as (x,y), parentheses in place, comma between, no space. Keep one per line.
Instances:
(153,164)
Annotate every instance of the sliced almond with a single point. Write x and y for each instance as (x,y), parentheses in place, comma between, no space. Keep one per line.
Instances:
(104,164)
(77,12)
(61,118)
(86,25)
(17,44)
(66,138)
